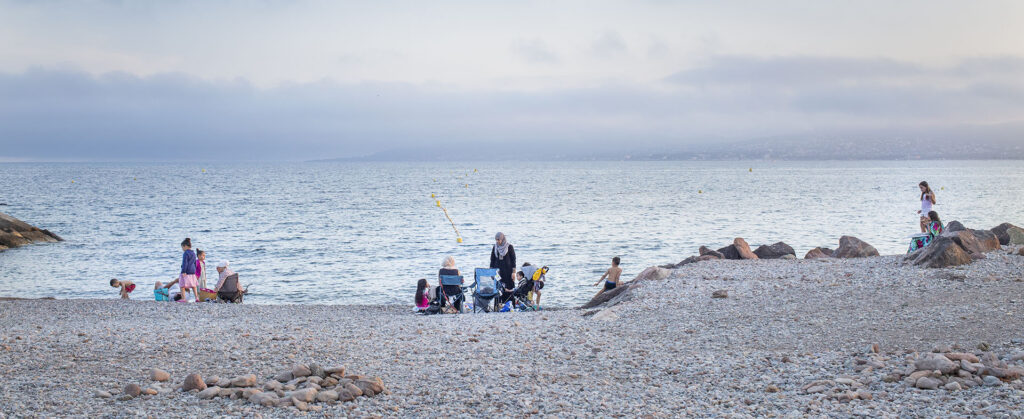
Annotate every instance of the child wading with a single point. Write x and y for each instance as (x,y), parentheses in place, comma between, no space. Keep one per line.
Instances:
(187,281)
(611,277)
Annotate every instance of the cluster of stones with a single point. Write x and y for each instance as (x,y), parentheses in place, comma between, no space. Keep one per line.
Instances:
(299,387)
(849,247)
(959,245)
(958,370)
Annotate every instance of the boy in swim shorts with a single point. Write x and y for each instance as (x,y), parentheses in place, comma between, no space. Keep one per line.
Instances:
(610,277)
(126,287)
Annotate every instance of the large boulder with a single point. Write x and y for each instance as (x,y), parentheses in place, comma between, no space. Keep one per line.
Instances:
(1000,231)
(942,252)
(704,251)
(818,253)
(730,252)
(1015,235)
(986,239)
(774,251)
(852,247)
(966,241)
(743,248)
(14,233)
(955,226)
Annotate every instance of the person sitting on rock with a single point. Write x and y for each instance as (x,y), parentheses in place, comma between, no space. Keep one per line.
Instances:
(126,287)
(933,228)
(611,277)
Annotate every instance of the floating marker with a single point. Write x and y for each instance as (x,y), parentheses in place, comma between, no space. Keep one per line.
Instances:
(467,185)
(204,170)
(474,170)
(459,240)
(942,188)
(135,178)
(750,169)
(72,181)
(699,191)
(438,203)
(432,196)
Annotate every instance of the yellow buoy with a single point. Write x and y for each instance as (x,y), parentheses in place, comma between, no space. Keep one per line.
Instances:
(432,196)
(750,169)
(72,181)
(438,203)
(204,170)
(942,188)
(699,191)
(459,240)
(467,185)
(474,170)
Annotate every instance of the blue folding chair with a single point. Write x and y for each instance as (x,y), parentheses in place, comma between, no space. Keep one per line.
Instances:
(455,299)
(485,289)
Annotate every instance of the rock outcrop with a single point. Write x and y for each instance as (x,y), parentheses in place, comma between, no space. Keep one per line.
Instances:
(730,252)
(14,233)
(704,251)
(1015,236)
(955,226)
(852,247)
(623,291)
(774,251)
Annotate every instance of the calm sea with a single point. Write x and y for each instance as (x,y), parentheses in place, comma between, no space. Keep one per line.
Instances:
(359,233)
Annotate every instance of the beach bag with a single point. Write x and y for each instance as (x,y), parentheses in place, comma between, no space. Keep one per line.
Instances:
(207,295)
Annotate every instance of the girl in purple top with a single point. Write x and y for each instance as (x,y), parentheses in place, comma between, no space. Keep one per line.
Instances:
(187,281)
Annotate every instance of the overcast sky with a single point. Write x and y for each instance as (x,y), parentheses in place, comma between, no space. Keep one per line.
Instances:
(172,80)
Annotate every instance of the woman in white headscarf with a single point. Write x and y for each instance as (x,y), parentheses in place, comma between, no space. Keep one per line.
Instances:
(503,257)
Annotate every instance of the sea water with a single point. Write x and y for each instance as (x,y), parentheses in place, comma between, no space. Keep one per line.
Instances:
(363,233)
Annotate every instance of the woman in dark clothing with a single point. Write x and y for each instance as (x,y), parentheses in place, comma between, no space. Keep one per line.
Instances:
(503,257)
(448,268)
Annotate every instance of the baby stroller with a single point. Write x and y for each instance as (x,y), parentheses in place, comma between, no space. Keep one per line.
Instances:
(521,296)
(485,290)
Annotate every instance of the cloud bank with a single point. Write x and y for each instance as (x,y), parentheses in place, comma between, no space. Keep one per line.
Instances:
(62,114)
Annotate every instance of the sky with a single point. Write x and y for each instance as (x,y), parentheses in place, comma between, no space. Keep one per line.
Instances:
(295,80)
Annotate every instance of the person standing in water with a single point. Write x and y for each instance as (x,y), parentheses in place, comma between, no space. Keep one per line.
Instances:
(927,200)
(503,258)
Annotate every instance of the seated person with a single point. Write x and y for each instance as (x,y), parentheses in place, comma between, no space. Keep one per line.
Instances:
(452,291)
(228,287)
(933,228)
(422,298)
(160,293)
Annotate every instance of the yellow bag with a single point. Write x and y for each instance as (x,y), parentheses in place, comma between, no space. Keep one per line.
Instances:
(207,295)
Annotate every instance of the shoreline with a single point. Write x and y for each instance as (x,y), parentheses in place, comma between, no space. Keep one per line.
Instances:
(669,350)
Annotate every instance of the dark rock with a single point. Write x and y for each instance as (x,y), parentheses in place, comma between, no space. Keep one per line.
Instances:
(774,251)
(702,258)
(817,253)
(730,252)
(852,247)
(133,390)
(1000,232)
(955,226)
(720,294)
(687,261)
(704,251)
(942,252)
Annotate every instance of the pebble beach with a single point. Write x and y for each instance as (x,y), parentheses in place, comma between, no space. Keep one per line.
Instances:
(794,338)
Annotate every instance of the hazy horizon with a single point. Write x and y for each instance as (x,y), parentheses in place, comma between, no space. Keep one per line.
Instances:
(271,81)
